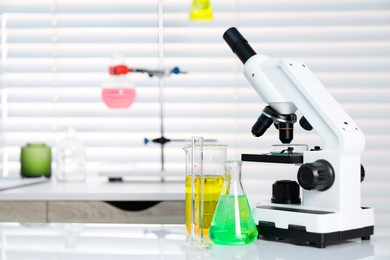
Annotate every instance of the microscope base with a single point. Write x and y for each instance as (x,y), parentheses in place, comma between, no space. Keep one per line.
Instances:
(312,227)
(320,240)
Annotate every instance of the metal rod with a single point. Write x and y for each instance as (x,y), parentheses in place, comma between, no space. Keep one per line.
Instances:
(161,79)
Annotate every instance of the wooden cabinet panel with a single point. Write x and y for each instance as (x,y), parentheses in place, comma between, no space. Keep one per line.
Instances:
(23,211)
(166,212)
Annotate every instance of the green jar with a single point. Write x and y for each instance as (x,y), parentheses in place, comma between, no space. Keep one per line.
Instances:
(35,160)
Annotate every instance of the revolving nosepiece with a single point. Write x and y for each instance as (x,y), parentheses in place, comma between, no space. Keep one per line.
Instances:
(284,123)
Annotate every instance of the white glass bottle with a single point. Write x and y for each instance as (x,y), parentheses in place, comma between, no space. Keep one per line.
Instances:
(71,158)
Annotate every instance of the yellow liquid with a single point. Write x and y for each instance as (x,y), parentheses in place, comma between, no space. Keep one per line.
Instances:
(212,188)
(201,10)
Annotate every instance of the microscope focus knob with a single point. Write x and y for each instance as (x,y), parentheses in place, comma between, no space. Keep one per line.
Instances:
(318,175)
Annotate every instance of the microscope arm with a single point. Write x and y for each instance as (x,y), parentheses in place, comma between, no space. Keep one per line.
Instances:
(288,85)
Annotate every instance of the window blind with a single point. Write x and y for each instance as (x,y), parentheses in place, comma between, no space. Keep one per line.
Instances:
(55,55)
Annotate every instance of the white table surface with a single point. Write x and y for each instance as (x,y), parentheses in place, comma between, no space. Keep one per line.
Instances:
(97,189)
(103,241)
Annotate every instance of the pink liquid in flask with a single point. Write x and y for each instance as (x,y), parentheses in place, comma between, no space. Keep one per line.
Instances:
(117,98)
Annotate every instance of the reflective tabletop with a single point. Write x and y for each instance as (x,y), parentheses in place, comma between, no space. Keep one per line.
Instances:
(116,241)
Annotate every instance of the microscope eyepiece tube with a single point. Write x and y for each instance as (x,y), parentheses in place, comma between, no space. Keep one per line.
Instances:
(238,44)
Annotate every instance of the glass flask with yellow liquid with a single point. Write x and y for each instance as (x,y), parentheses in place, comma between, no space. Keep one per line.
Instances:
(233,222)
(204,180)
(201,10)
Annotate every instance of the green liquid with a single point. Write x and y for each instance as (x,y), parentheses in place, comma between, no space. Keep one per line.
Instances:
(231,227)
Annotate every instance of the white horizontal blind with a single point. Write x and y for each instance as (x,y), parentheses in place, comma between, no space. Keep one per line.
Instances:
(55,56)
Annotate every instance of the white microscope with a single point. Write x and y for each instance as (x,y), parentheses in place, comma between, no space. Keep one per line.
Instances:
(330,210)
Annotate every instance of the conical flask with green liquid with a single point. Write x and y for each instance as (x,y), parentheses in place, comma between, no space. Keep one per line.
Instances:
(232,222)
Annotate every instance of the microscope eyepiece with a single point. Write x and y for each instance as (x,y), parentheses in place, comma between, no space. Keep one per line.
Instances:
(238,44)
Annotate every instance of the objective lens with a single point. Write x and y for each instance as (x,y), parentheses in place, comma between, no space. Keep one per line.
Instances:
(261,125)
(286,132)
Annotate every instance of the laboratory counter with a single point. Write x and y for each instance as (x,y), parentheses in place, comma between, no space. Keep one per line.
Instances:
(95,200)
(125,241)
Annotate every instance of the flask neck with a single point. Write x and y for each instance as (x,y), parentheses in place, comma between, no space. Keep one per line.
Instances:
(232,183)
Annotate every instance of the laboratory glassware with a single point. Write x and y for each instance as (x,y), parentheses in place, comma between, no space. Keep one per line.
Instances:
(214,157)
(118,92)
(204,179)
(201,10)
(233,222)
(71,158)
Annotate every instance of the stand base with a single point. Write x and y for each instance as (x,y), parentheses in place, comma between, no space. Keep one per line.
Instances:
(298,235)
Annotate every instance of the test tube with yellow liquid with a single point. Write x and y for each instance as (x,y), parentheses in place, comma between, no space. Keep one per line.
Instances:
(204,180)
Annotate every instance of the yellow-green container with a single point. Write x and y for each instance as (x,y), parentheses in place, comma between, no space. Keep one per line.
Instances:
(35,160)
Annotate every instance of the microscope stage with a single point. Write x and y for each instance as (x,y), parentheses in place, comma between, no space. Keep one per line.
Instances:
(294,158)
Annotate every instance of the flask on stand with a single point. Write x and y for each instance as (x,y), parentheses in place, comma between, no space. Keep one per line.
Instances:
(118,92)
(233,222)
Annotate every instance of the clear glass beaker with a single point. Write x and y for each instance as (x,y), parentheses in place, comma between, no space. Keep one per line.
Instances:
(204,180)
(233,222)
